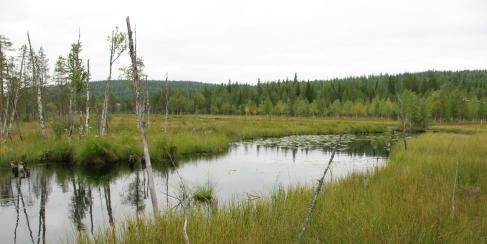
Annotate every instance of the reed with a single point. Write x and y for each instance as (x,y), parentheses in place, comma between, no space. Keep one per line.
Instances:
(186,136)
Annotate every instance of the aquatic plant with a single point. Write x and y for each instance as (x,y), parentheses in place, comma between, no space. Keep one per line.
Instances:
(204,193)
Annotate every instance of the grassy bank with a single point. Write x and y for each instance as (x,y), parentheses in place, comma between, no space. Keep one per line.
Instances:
(186,136)
(407,201)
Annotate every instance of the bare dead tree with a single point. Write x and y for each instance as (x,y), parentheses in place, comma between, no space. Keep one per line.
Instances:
(147,101)
(454,190)
(314,201)
(402,117)
(71,113)
(167,101)
(139,104)
(87,121)
(38,85)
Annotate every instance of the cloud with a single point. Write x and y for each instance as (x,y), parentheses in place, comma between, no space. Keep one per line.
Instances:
(215,41)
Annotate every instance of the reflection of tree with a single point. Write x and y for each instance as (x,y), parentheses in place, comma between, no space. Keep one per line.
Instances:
(16,203)
(91,208)
(79,203)
(6,192)
(369,147)
(167,188)
(108,201)
(136,193)
(20,199)
(42,209)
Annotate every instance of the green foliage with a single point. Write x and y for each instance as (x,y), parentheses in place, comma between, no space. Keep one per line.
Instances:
(204,193)
(76,71)
(187,136)
(59,127)
(101,150)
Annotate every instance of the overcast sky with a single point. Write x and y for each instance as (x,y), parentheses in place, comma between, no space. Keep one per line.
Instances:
(214,41)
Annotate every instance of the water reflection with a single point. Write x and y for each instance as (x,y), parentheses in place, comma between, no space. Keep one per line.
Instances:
(57,201)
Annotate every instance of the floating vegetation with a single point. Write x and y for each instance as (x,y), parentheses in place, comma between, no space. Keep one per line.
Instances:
(372,145)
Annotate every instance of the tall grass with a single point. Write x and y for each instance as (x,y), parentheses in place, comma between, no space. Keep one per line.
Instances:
(407,201)
(186,136)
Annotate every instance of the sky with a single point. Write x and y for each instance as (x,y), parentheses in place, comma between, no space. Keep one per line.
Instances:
(216,41)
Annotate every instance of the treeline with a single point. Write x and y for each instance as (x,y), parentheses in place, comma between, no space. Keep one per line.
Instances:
(432,95)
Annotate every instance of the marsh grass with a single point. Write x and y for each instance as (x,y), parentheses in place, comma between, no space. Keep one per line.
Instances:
(187,136)
(407,201)
(204,193)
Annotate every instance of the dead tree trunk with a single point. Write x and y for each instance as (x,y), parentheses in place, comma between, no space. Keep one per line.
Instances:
(147,104)
(314,201)
(38,85)
(71,113)
(17,122)
(87,121)
(139,104)
(104,113)
(402,117)
(81,125)
(167,100)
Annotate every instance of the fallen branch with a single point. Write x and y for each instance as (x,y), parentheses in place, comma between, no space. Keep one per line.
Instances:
(454,189)
(313,203)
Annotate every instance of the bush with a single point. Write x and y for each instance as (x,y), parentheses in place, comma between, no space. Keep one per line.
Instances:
(204,193)
(59,127)
(99,150)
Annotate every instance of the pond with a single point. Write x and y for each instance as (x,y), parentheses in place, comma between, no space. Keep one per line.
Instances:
(56,200)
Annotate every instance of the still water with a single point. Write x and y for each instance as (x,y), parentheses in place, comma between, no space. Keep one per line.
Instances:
(56,201)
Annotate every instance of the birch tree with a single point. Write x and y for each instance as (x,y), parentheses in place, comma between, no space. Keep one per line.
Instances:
(118,44)
(139,103)
(38,86)
(77,76)
(16,89)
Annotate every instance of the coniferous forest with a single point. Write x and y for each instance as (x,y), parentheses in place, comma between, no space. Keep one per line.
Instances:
(437,96)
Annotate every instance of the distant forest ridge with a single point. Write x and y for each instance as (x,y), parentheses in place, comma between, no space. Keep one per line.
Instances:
(430,95)
(121,87)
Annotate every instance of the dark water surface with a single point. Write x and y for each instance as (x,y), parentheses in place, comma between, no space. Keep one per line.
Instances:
(56,200)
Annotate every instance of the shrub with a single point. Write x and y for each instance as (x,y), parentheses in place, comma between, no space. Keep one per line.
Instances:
(59,127)
(98,150)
